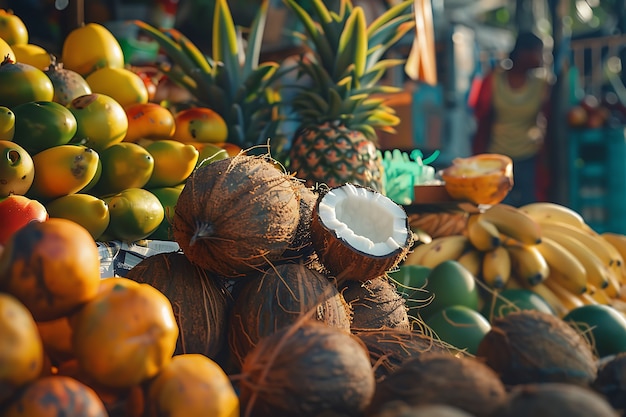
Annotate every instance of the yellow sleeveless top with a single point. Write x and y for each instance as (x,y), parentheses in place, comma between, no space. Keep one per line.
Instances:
(514,131)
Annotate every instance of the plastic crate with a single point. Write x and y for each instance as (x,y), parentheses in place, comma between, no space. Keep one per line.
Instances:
(597,177)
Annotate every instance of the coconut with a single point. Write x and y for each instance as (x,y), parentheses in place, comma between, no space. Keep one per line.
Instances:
(401,409)
(200,301)
(390,348)
(359,233)
(532,346)
(442,378)
(554,399)
(375,305)
(304,370)
(611,381)
(237,215)
(280,297)
(302,246)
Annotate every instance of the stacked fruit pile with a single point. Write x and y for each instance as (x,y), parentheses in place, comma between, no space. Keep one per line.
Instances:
(83,138)
(288,298)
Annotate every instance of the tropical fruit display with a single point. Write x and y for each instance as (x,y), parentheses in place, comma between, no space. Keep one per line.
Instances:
(292,282)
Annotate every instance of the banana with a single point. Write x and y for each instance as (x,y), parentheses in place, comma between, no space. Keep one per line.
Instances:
(613,289)
(541,289)
(543,211)
(415,255)
(514,223)
(472,260)
(496,267)
(618,242)
(443,248)
(528,264)
(592,241)
(571,272)
(597,270)
(569,299)
(600,296)
(587,299)
(482,234)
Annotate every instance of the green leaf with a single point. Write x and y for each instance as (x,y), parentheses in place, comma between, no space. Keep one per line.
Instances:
(321,44)
(395,11)
(225,46)
(378,70)
(380,47)
(189,49)
(255,39)
(352,46)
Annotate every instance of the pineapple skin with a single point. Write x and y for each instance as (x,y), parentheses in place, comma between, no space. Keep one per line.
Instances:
(332,154)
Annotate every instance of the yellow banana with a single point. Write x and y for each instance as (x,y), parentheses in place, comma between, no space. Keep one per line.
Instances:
(528,264)
(613,289)
(541,289)
(62,170)
(592,241)
(514,223)
(543,211)
(472,260)
(600,296)
(482,234)
(597,271)
(569,299)
(571,271)
(415,256)
(587,299)
(496,267)
(443,248)
(618,242)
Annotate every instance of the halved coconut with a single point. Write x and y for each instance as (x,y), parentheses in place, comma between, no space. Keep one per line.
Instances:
(358,233)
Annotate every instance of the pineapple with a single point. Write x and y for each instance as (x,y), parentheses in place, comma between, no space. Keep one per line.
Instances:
(232,81)
(338,112)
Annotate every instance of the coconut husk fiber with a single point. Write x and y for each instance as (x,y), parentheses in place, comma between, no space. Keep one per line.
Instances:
(305,370)
(442,378)
(531,346)
(611,381)
(375,305)
(279,297)
(554,399)
(390,348)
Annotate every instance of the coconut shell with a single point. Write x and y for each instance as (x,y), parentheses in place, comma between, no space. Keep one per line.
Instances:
(531,346)
(442,378)
(375,305)
(339,257)
(390,348)
(302,246)
(200,301)
(279,297)
(611,381)
(237,215)
(554,400)
(401,409)
(305,370)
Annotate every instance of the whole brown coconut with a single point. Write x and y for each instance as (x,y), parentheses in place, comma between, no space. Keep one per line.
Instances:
(305,370)
(611,381)
(359,233)
(280,297)
(302,246)
(441,378)
(200,301)
(554,399)
(401,409)
(375,305)
(532,346)
(237,215)
(390,348)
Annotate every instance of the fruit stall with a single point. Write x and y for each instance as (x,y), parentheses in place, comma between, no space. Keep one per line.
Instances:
(169,247)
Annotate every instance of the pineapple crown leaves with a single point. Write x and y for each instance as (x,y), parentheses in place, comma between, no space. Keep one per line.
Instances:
(232,81)
(341,40)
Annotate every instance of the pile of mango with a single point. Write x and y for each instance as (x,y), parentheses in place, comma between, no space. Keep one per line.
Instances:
(87,137)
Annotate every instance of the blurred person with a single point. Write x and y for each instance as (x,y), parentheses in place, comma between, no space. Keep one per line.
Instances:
(511,115)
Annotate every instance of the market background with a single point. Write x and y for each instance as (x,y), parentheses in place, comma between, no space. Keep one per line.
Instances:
(585,46)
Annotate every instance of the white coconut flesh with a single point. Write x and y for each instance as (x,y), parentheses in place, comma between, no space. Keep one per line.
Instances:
(365,219)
